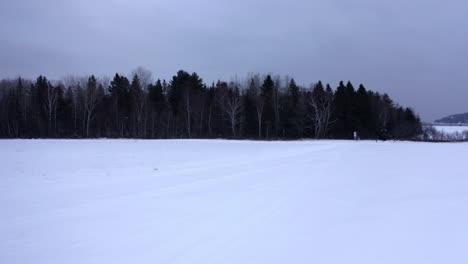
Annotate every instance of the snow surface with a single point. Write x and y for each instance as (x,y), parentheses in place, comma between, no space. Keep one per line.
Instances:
(451,129)
(216,201)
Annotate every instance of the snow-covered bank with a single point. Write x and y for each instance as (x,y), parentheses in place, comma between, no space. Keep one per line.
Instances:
(451,129)
(216,201)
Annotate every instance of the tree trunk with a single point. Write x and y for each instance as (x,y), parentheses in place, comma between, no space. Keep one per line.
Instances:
(259,118)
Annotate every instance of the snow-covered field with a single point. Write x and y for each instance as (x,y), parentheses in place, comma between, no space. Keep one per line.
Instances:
(215,201)
(451,129)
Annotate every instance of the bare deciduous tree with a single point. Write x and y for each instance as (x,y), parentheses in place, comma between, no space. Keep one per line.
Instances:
(321,102)
(233,106)
(50,104)
(144,76)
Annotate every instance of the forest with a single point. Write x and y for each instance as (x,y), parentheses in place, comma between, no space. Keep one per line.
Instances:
(262,107)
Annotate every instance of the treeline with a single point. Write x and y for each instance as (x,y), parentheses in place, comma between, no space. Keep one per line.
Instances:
(260,107)
(431,134)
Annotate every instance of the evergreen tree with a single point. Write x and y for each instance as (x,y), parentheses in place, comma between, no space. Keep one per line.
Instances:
(293,116)
(363,113)
(120,94)
(158,105)
(269,114)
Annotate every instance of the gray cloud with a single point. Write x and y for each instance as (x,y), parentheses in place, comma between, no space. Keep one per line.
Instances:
(414,50)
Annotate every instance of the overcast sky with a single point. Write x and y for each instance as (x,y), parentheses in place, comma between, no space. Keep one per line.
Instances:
(415,50)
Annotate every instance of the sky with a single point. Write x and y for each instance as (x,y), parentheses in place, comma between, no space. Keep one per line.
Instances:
(416,51)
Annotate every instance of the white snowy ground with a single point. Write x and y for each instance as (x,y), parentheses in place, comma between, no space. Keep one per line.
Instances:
(215,201)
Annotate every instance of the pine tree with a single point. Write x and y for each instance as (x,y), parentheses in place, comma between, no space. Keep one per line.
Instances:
(293,112)
(269,112)
(363,113)
(120,94)
(158,105)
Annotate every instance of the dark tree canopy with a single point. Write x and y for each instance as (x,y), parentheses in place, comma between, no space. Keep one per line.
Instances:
(266,107)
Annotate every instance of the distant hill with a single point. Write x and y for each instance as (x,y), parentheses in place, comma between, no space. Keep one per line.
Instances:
(454,119)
